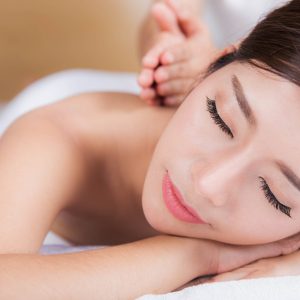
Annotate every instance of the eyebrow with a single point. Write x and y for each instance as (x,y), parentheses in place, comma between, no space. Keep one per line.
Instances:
(242,101)
(246,109)
(289,174)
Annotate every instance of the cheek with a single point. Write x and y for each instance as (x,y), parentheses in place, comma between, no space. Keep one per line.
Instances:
(193,133)
(188,132)
(253,222)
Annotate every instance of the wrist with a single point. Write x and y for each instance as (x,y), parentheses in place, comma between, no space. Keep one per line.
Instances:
(207,257)
(201,255)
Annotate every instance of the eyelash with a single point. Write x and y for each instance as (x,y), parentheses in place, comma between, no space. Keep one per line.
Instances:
(272,199)
(212,109)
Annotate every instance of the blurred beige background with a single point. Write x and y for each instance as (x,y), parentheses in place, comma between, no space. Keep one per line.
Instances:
(38,37)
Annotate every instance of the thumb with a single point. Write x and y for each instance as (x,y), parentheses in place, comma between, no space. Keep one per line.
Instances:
(188,23)
(165,18)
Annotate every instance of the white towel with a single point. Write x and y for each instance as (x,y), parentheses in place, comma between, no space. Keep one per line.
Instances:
(64,84)
(272,288)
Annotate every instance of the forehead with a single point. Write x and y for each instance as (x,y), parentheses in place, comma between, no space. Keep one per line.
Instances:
(258,81)
(275,103)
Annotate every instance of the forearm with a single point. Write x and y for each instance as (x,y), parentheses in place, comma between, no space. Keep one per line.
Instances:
(154,265)
(149,28)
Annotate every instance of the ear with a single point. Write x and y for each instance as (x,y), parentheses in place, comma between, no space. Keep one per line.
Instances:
(229,49)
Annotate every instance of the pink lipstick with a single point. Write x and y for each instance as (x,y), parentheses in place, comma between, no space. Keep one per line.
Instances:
(175,203)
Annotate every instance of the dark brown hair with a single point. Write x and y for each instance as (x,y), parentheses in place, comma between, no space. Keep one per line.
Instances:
(273,45)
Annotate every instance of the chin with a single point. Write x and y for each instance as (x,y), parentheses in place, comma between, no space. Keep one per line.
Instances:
(150,215)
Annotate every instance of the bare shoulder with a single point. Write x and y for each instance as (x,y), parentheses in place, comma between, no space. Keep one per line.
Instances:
(41,172)
(43,158)
(117,133)
(108,117)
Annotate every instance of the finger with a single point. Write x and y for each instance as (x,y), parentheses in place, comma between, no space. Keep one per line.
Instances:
(289,244)
(151,58)
(174,101)
(174,71)
(188,23)
(147,94)
(167,21)
(234,275)
(165,18)
(253,275)
(174,87)
(146,78)
(175,54)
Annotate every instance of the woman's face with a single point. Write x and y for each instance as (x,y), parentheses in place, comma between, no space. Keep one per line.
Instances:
(232,151)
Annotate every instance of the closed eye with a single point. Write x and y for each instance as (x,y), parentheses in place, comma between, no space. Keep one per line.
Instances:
(212,109)
(272,199)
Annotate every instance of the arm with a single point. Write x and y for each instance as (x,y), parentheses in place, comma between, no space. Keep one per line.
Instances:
(288,265)
(154,265)
(40,172)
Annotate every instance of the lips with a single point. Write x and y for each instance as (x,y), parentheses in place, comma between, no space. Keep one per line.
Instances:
(175,203)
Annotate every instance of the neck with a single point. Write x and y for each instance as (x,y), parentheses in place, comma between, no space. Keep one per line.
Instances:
(158,118)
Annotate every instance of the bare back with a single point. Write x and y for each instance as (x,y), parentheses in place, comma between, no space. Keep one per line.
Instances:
(118,133)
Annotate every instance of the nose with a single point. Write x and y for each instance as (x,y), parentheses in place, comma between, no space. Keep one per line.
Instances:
(217,179)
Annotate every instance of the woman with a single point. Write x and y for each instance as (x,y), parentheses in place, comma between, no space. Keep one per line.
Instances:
(188,190)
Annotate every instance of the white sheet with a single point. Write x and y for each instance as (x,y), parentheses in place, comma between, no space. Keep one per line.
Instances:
(64,84)
(276,288)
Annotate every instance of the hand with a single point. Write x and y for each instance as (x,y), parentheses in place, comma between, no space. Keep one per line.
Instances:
(233,256)
(265,260)
(268,267)
(183,49)
(169,34)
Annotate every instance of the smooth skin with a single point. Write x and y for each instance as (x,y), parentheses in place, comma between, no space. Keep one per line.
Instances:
(77,167)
